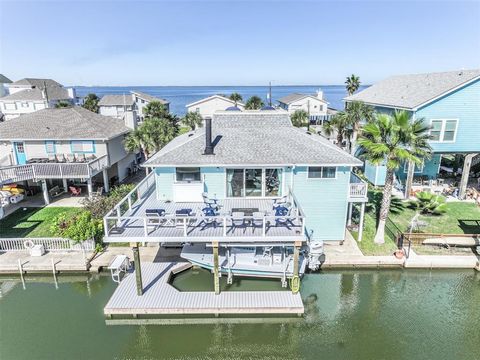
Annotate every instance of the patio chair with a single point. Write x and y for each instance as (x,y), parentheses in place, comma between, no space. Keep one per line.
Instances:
(212,203)
(69,157)
(208,217)
(74,190)
(283,217)
(238,221)
(258,219)
(99,191)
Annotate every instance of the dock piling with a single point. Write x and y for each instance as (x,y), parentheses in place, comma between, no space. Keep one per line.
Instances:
(138,270)
(20,269)
(216,280)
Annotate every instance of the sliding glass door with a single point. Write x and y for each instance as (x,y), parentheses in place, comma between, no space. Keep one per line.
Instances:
(254,182)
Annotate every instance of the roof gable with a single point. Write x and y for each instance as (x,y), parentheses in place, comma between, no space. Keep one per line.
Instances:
(289,99)
(116,100)
(148,97)
(213,97)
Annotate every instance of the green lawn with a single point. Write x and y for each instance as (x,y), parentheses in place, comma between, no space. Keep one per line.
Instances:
(32,222)
(460,218)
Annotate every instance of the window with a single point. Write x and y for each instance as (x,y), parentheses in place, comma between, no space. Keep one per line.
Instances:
(50,147)
(418,168)
(254,182)
(187,174)
(322,172)
(321,107)
(443,130)
(82,146)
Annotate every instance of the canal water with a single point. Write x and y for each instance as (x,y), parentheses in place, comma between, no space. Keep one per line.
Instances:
(349,315)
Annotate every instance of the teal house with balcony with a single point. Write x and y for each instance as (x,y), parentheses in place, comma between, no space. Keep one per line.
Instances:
(449,102)
(246,162)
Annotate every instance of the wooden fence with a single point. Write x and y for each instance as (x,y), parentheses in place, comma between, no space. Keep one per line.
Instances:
(50,244)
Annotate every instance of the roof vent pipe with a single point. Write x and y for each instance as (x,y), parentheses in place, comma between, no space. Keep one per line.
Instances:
(208,137)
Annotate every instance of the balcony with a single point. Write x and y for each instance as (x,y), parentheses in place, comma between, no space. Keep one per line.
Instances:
(53,170)
(358,189)
(128,221)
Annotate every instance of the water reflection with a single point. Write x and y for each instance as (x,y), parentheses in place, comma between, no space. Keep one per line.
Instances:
(348,315)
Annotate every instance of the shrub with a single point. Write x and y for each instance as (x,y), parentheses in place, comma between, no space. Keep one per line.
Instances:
(429,204)
(99,206)
(79,227)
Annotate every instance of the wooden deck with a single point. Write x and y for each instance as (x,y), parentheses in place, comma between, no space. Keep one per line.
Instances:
(160,298)
(132,225)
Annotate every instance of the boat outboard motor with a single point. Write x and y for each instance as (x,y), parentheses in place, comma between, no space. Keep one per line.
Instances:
(315,251)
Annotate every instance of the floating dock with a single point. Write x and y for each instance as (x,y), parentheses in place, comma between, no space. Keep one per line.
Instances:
(161,298)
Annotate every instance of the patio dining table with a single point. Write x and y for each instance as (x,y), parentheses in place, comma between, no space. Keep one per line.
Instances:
(246,211)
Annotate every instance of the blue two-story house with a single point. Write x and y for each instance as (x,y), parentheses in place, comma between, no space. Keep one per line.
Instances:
(241,164)
(449,102)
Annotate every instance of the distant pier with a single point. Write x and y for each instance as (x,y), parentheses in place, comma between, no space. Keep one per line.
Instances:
(161,298)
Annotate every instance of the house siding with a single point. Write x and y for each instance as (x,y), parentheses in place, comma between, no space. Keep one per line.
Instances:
(324,202)
(164,178)
(464,105)
(214,180)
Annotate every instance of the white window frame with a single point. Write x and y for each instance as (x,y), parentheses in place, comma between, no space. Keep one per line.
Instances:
(442,130)
(186,181)
(321,178)
(405,168)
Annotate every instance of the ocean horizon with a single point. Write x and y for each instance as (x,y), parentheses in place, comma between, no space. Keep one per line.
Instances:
(180,96)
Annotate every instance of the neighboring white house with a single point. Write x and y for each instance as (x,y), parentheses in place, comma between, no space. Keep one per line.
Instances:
(57,146)
(3,88)
(208,106)
(29,95)
(315,105)
(141,100)
(128,107)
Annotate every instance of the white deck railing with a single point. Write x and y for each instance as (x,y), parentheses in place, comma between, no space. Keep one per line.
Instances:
(50,244)
(53,170)
(358,187)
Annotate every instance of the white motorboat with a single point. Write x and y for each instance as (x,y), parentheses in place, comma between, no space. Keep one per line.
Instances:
(274,261)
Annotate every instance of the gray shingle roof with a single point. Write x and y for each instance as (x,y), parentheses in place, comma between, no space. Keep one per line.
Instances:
(148,97)
(295,97)
(62,124)
(53,93)
(38,83)
(4,79)
(252,138)
(411,91)
(116,100)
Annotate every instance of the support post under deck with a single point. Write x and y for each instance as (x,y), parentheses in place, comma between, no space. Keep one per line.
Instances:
(467,164)
(46,197)
(296,256)
(138,270)
(362,220)
(216,279)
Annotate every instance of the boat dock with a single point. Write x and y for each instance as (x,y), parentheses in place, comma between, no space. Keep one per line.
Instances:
(161,298)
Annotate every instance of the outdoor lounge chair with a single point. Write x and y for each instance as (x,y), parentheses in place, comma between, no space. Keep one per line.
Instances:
(283,217)
(208,217)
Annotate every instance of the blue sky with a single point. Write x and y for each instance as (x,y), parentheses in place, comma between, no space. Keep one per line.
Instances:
(234,42)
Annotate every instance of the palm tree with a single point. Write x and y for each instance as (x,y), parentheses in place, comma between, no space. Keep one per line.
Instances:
(150,136)
(236,97)
(352,84)
(338,125)
(392,140)
(355,113)
(192,119)
(254,103)
(91,102)
(300,119)
(154,109)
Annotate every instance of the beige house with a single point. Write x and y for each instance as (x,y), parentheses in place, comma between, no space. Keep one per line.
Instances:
(208,106)
(55,147)
(315,105)
(29,95)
